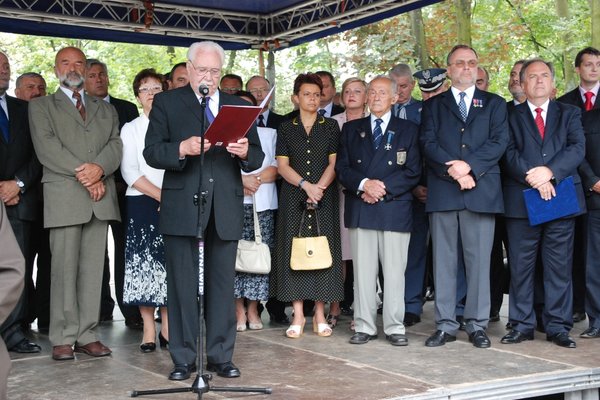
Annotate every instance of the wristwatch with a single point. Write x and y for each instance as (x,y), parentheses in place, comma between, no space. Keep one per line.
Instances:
(20,184)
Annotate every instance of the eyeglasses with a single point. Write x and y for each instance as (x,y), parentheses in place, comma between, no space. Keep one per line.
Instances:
(230,89)
(259,91)
(152,89)
(214,72)
(462,63)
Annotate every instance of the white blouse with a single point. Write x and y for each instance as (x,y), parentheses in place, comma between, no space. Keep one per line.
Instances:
(266,195)
(133,164)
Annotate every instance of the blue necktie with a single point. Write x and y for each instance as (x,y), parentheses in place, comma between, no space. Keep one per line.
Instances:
(322,112)
(377,133)
(209,115)
(4,124)
(462,106)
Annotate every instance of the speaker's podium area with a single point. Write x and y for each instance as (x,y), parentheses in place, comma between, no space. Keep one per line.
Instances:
(315,367)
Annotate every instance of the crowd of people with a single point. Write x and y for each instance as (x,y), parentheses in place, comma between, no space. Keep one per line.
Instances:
(410,194)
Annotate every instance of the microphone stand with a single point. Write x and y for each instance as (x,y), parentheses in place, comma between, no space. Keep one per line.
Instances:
(201,385)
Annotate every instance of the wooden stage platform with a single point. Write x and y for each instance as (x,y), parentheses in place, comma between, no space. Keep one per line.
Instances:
(327,368)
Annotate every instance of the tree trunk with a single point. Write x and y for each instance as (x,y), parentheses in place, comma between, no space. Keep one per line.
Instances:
(270,73)
(418,31)
(562,11)
(595,14)
(463,21)
(231,61)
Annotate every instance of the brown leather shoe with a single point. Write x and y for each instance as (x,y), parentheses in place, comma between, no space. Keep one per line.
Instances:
(94,349)
(62,352)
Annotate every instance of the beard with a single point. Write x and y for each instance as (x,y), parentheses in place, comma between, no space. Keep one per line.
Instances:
(72,80)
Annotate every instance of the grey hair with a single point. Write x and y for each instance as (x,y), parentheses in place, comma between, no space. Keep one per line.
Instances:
(206,46)
(90,62)
(28,75)
(527,63)
(402,70)
(386,77)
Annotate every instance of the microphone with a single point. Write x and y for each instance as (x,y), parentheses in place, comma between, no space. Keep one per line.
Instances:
(203,89)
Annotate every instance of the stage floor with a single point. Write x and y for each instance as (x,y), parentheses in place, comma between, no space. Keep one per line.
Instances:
(324,368)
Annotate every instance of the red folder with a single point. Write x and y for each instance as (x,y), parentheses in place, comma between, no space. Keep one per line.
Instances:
(233,123)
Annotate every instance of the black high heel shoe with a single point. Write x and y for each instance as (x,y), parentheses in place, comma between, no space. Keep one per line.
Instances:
(148,347)
(163,342)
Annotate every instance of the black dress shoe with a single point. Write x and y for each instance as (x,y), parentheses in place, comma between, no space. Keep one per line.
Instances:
(346,310)
(411,319)
(494,317)
(429,294)
(25,346)
(515,336)
(148,347)
(225,370)
(397,339)
(563,340)
(134,323)
(279,318)
(480,339)
(439,338)
(591,333)
(509,326)
(182,372)
(462,325)
(579,316)
(361,338)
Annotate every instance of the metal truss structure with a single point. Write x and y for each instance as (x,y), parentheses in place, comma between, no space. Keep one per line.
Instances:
(163,18)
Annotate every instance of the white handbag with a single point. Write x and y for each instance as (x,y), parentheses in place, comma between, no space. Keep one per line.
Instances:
(253,256)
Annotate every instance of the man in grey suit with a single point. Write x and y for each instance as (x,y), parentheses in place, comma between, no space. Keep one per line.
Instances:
(76,138)
(464,133)
(173,143)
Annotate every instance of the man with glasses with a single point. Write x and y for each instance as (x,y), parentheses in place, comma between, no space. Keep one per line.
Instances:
(231,83)
(260,87)
(173,143)
(96,84)
(463,134)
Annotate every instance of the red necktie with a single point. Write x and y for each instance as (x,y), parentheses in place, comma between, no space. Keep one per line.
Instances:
(539,121)
(588,101)
(79,104)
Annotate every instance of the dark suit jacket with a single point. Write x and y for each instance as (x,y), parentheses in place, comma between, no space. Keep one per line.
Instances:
(413,110)
(398,168)
(274,120)
(126,110)
(574,98)
(590,166)
(18,159)
(562,150)
(176,115)
(480,141)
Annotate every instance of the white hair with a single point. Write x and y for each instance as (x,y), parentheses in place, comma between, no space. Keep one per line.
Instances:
(206,46)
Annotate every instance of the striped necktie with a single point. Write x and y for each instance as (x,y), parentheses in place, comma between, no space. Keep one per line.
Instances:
(79,104)
(462,106)
(377,133)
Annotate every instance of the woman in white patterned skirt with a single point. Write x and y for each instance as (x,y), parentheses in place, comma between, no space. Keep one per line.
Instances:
(145,275)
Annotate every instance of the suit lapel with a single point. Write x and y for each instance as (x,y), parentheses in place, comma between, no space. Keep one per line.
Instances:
(191,101)
(552,118)
(477,104)
(528,122)
(450,103)
(13,118)
(66,105)
(91,108)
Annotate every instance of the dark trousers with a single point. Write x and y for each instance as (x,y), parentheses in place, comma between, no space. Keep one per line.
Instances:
(499,274)
(40,308)
(592,272)
(182,287)
(579,263)
(414,275)
(555,240)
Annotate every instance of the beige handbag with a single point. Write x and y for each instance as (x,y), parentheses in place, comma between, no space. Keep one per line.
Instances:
(310,253)
(253,256)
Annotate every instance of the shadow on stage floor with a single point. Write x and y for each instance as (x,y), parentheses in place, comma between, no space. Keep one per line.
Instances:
(325,368)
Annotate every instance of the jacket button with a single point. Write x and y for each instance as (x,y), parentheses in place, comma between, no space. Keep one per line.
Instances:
(359,161)
(211,180)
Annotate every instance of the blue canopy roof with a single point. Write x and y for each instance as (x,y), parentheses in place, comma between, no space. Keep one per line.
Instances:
(239,24)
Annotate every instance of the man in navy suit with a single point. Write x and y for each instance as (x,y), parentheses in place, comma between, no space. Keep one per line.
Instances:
(406,107)
(547,144)
(379,164)
(463,135)
(260,87)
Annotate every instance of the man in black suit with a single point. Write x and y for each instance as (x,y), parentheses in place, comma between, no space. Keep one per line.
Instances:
(178,77)
(173,143)
(546,146)
(514,85)
(20,172)
(587,66)
(590,177)
(260,87)
(96,84)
